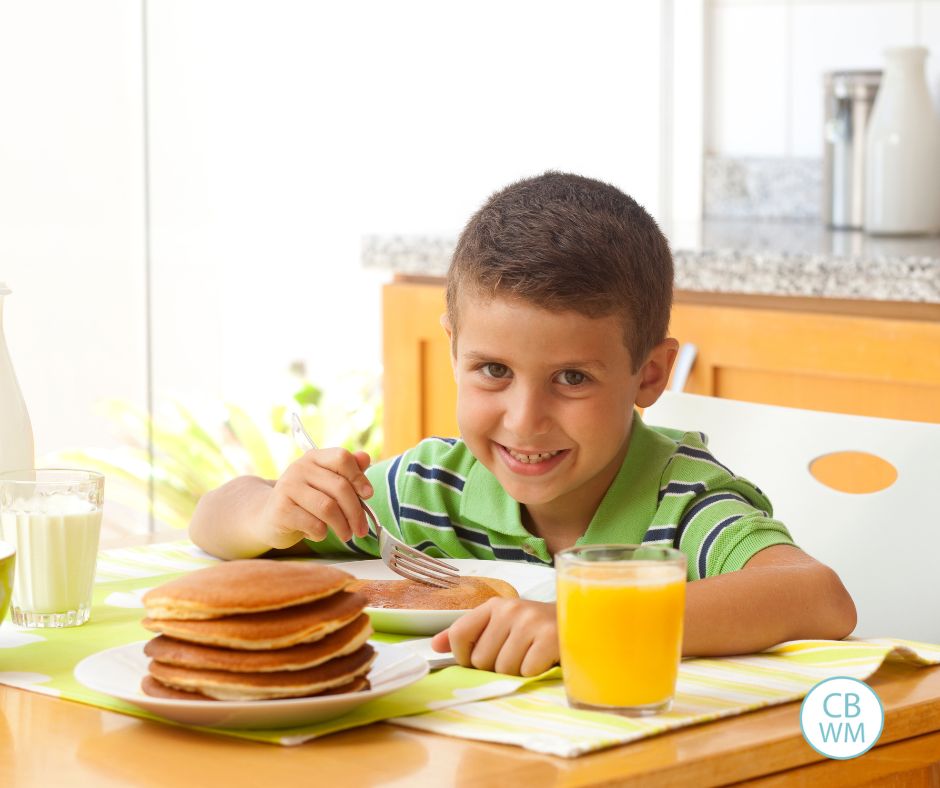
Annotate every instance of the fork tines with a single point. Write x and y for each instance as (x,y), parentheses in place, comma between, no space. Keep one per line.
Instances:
(408,562)
(423,560)
(414,569)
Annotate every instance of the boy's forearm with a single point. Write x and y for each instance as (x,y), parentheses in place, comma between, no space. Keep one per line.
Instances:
(753,609)
(221,524)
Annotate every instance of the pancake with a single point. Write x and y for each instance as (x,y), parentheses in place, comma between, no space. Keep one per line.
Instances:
(227,685)
(151,686)
(268,630)
(346,640)
(247,586)
(412,595)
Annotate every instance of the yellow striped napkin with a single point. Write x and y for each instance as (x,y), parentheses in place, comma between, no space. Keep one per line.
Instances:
(537,716)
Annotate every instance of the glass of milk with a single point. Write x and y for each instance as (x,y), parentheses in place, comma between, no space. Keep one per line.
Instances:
(53,518)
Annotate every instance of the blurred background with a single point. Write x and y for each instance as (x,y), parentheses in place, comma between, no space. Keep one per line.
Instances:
(186,188)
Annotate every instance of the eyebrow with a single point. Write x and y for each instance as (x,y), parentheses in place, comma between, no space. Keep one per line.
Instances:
(476,357)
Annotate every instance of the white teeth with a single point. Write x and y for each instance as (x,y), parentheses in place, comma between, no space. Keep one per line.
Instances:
(531,458)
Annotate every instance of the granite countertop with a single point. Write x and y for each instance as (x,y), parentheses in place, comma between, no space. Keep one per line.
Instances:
(785,258)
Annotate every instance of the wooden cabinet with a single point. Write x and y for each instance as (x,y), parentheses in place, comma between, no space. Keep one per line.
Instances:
(868,357)
(420,396)
(871,358)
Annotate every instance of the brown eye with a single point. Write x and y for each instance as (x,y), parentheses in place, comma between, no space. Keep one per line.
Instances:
(571,377)
(494,370)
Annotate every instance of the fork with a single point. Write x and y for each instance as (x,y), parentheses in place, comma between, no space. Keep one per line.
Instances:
(401,558)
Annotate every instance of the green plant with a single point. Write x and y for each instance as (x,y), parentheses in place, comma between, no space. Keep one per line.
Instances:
(194,454)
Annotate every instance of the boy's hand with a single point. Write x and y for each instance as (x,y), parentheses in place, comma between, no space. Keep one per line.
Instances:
(317,493)
(514,636)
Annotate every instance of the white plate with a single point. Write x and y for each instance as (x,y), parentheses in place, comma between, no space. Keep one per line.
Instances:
(529,580)
(118,672)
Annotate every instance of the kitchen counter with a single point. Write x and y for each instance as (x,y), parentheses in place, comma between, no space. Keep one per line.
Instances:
(766,258)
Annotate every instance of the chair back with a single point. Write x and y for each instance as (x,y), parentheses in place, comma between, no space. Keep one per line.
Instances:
(885,545)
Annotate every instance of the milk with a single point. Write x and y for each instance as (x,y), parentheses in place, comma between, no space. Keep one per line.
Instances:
(56,539)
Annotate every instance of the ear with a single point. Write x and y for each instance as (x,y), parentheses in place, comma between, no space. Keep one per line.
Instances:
(445,324)
(654,374)
(448,329)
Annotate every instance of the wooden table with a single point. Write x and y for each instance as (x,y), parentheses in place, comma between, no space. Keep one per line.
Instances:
(48,742)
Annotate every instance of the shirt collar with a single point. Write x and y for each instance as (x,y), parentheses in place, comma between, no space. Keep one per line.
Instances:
(485,502)
(629,505)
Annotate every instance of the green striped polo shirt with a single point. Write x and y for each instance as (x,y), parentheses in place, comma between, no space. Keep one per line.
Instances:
(669,491)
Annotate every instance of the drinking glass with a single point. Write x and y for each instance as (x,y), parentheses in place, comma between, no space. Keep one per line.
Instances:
(52,516)
(620,616)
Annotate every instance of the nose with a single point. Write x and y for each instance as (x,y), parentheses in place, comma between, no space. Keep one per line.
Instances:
(527,412)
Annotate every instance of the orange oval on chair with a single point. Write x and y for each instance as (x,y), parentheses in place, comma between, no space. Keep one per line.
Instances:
(853,472)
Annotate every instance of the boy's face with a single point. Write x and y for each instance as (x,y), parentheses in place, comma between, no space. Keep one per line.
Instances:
(545,399)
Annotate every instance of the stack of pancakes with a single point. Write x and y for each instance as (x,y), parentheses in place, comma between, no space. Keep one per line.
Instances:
(469,592)
(256,630)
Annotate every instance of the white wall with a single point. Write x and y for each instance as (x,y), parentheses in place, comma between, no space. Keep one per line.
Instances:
(766,59)
(71,221)
(280,132)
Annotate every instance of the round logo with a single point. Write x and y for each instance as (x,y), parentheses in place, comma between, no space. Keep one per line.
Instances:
(841,717)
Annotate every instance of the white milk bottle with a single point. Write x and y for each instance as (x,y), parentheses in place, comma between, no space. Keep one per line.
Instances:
(16,433)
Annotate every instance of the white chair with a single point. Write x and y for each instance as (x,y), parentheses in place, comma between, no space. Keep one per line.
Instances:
(685,360)
(884,545)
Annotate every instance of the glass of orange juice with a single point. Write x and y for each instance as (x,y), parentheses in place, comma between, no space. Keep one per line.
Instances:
(620,614)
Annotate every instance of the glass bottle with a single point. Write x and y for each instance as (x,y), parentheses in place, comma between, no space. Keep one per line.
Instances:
(16,432)
(902,162)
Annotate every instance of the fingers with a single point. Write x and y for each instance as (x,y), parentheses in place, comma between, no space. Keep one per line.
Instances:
(512,654)
(325,507)
(363,460)
(511,636)
(543,653)
(344,464)
(465,631)
(493,640)
(441,642)
(329,498)
(321,491)
(286,538)
(286,523)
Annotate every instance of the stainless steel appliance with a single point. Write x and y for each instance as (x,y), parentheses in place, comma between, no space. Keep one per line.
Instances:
(849,96)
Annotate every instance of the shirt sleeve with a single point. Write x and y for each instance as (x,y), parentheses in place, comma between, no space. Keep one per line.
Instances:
(721,519)
(721,529)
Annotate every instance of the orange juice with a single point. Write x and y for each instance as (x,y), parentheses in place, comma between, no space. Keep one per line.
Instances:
(620,630)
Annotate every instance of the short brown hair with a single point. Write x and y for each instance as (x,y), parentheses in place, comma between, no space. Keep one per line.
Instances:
(567,242)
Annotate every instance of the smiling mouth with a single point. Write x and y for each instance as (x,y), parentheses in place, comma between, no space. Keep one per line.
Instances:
(531,458)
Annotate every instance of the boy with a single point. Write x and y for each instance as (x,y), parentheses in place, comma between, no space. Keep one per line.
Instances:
(558,301)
